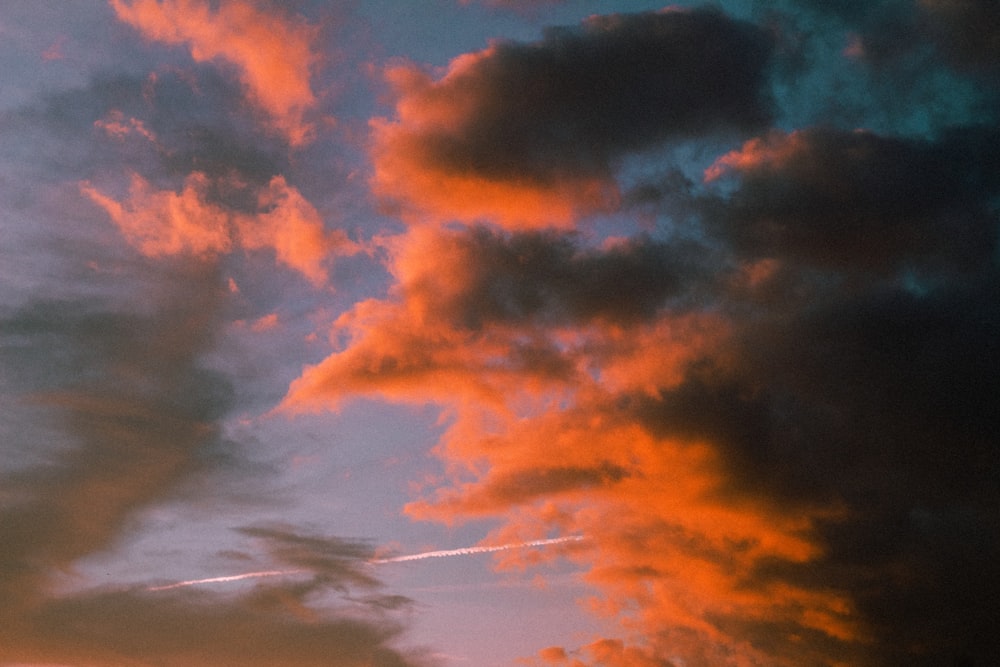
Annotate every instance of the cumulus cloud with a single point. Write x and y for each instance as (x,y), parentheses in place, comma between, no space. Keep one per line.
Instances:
(161,223)
(480,312)
(272,53)
(528,134)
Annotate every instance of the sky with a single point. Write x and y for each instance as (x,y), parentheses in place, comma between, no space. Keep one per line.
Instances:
(479,333)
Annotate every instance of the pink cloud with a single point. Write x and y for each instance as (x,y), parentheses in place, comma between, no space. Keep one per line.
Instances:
(272,53)
(292,227)
(162,223)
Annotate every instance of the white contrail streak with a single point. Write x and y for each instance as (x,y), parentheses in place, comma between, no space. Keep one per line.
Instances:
(464,551)
(233,577)
(468,551)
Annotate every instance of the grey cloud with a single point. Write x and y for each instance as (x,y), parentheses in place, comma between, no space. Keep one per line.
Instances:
(136,406)
(141,415)
(190,629)
(856,199)
(964,32)
(548,278)
(883,403)
(330,559)
(574,102)
(191,120)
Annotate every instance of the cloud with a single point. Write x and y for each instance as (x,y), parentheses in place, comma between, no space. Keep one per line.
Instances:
(272,54)
(782,460)
(175,630)
(967,30)
(528,134)
(289,224)
(137,409)
(164,223)
(159,223)
(960,34)
(141,414)
(479,313)
(838,198)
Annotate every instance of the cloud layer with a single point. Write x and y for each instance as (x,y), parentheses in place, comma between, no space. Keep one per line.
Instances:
(774,425)
(665,308)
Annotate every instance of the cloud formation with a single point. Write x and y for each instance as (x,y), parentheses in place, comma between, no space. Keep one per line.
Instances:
(140,414)
(165,223)
(838,198)
(481,313)
(774,426)
(273,53)
(767,396)
(528,134)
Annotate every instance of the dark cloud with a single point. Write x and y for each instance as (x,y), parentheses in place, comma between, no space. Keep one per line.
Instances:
(141,415)
(526,486)
(570,104)
(882,404)
(137,407)
(856,199)
(329,559)
(968,31)
(168,124)
(267,627)
(964,33)
(548,278)
(855,381)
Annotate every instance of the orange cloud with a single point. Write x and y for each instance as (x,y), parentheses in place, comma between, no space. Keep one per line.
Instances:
(160,223)
(163,223)
(530,135)
(485,317)
(407,177)
(768,153)
(549,434)
(413,167)
(115,125)
(273,54)
(289,224)
(673,550)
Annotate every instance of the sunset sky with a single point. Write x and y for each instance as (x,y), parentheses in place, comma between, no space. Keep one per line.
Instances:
(483,333)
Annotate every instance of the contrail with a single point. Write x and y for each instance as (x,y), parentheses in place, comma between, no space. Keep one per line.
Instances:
(464,551)
(233,577)
(467,551)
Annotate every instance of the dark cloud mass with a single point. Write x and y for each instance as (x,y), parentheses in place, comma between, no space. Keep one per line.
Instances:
(551,279)
(967,30)
(571,104)
(857,199)
(581,97)
(964,33)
